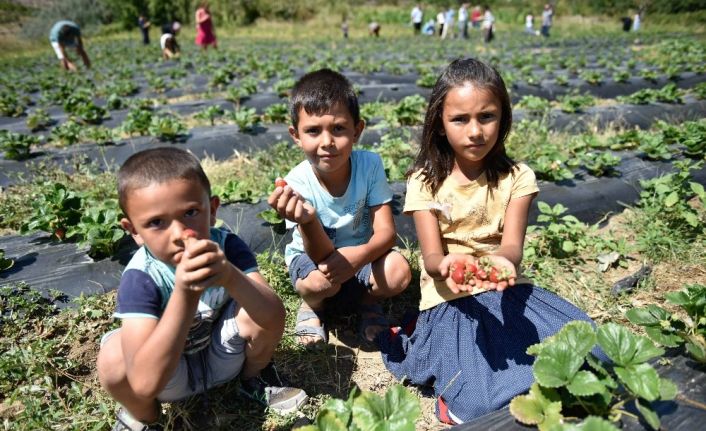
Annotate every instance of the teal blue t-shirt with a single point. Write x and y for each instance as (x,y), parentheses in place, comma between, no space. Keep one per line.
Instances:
(346,219)
(69,37)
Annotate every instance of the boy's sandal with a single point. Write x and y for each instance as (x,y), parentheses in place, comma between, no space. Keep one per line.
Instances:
(304,330)
(376,317)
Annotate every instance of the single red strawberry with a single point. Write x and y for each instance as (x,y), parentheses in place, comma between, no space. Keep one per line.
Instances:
(457,274)
(280,182)
(188,233)
(482,274)
(493,276)
(60,233)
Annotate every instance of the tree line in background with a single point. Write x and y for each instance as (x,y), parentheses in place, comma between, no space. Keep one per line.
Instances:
(243,12)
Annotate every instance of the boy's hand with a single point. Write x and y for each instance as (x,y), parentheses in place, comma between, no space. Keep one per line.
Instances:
(290,205)
(340,265)
(203,264)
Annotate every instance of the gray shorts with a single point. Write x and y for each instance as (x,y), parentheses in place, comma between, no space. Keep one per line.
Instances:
(348,298)
(215,365)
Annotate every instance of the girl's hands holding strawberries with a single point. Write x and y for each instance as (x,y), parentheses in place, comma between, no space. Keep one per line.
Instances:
(463,273)
(289,204)
(203,264)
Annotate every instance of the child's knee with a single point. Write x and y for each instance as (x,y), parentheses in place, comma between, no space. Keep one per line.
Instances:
(267,332)
(111,363)
(397,273)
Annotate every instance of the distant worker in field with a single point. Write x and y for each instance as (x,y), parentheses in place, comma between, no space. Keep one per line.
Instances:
(205,35)
(529,23)
(67,34)
(476,17)
(168,41)
(547,19)
(374,29)
(463,21)
(417,17)
(144,25)
(636,21)
(488,26)
(345,28)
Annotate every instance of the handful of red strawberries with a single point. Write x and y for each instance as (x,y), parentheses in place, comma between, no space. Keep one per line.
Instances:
(484,270)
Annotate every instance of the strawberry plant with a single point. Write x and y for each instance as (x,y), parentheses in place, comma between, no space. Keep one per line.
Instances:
(699,90)
(427,79)
(666,199)
(138,121)
(235,191)
(571,384)
(245,118)
(649,75)
(560,236)
(114,102)
(397,155)
(249,84)
(16,146)
(11,105)
(667,94)
(592,77)
(220,77)
(627,140)
(98,135)
(210,114)
(166,127)
(562,80)
(621,76)
(277,113)
(690,134)
(5,263)
(39,119)
(54,209)
(572,103)
(408,112)
(283,86)
(600,164)
(272,218)
(66,134)
(654,147)
(90,113)
(534,105)
(397,410)
(551,168)
(98,228)
(670,330)
(236,95)
(156,82)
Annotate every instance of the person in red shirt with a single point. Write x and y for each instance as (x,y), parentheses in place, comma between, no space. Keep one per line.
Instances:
(205,35)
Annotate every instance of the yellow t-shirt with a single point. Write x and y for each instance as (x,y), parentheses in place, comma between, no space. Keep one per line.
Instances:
(470,218)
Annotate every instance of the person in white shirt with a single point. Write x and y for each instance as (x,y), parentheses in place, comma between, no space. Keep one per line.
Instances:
(463,20)
(417,17)
(440,21)
(488,26)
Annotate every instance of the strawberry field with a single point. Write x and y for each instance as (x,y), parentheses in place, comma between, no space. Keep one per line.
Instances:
(613,126)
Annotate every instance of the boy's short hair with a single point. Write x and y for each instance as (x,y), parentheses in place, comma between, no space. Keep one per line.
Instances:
(158,165)
(319,91)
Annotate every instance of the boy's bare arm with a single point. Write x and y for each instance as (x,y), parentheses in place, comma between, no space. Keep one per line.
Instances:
(152,348)
(346,261)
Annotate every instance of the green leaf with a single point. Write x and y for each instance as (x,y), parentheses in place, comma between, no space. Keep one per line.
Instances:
(663,338)
(641,379)
(585,383)
(697,351)
(650,315)
(556,365)
(671,199)
(625,348)
(594,423)
(535,408)
(329,421)
(691,218)
(667,389)
(648,414)
(568,246)
(544,207)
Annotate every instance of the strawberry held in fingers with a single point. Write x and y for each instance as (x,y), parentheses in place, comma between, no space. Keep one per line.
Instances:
(188,233)
(458,274)
(280,182)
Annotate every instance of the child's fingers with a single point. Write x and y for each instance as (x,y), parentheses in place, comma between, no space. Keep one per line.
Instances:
(194,247)
(452,286)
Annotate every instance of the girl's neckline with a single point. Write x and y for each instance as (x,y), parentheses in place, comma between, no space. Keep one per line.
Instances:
(480,178)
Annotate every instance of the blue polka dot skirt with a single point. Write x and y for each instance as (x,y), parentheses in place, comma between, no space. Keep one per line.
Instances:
(472,349)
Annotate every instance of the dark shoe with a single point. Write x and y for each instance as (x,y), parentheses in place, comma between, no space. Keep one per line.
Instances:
(371,316)
(269,390)
(125,422)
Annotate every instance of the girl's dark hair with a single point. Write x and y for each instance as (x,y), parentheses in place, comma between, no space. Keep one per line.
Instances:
(436,157)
